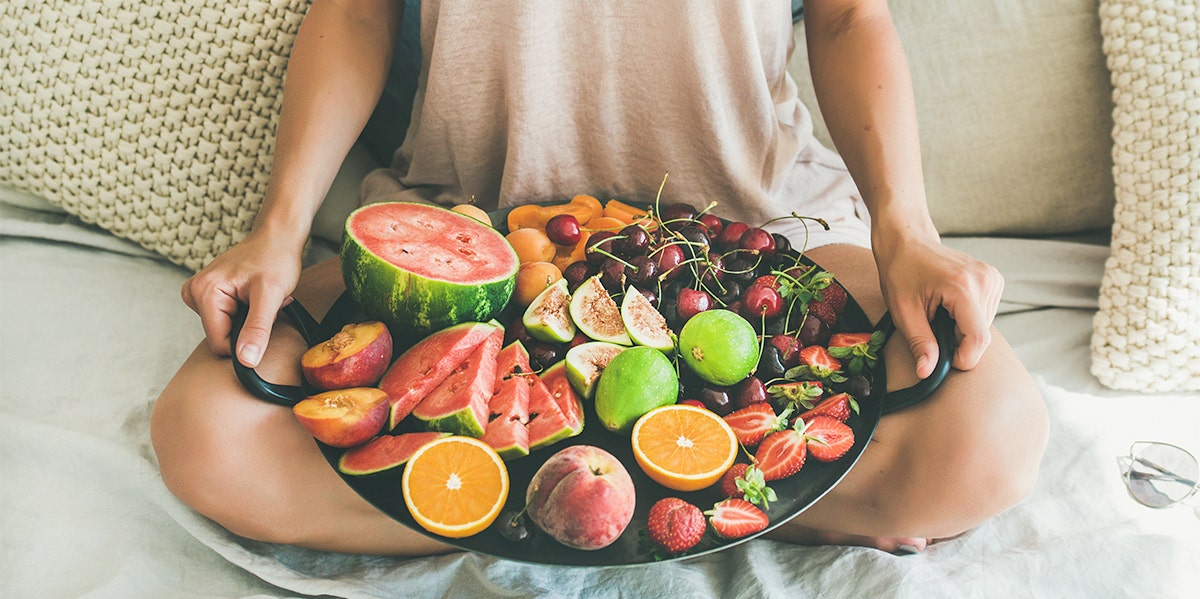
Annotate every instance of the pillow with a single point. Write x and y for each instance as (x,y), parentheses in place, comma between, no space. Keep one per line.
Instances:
(1146,335)
(1014,109)
(154,121)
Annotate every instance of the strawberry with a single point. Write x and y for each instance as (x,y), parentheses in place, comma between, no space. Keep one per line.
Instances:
(836,406)
(728,483)
(753,422)
(828,438)
(737,518)
(781,454)
(796,394)
(817,362)
(675,525)
(828,303)
(693,402)
(856,350)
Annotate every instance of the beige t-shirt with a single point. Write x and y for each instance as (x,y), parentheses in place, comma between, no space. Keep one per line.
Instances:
(540,100)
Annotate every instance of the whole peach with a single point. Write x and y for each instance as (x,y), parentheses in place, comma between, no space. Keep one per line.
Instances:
(581,496)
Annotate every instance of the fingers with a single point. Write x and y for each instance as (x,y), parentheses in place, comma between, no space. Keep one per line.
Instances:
(973,312)
(265,302)
(913,322)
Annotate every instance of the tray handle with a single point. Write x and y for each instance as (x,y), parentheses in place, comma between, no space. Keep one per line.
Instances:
(284,395)
(943,330)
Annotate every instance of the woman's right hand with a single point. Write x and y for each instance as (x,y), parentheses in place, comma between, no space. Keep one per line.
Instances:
(261,271)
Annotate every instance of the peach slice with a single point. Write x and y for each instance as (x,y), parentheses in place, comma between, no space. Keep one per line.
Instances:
(357,356)
(344,418)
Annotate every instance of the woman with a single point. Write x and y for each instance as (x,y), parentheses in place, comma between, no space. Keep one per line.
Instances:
(526,101)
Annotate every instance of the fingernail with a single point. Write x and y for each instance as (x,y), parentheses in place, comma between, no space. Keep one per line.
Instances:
(922,362)
(250,355)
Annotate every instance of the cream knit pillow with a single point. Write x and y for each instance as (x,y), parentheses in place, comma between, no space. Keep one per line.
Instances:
(154,120)
(1147,332)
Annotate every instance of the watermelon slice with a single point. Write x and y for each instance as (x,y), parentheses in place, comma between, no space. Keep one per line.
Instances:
(459,404)
(384,452)
(508,410)
(426,365)
(420,268)
(555,410)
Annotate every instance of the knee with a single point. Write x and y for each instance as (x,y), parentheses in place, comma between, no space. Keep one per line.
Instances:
(216,477)
(975,464)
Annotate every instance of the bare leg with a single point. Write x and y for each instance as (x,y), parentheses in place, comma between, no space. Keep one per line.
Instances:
(939,468)
(251,467)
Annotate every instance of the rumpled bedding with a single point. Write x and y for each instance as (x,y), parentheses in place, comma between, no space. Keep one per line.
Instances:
(92,328)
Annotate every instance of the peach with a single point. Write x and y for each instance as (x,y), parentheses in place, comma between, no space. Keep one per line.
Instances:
(582,497)
(357,356)
(345,417)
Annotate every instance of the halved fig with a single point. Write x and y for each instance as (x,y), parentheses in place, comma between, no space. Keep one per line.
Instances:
(644,324)
(548,317)
(596,314)
(585,363)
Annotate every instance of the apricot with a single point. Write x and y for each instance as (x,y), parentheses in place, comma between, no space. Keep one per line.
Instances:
(532,279)
(531,245)
(564,256)
(524,217)
(474,212)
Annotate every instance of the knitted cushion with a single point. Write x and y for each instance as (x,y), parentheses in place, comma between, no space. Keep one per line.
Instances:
(1147,332)
(154,120)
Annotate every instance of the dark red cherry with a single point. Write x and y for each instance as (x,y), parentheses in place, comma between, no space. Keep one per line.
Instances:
(668,257)
(612,275)
(731,235)
(716,399)
(642,271)
(757,241)
(692,302)
(632,241)
(576,273)
(563,229)
(678,212)
(789,349)
(713,225)
(749,392)
(761,301)
(602,241)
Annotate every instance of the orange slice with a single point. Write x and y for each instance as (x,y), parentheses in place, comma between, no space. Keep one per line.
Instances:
(455,486)
(683,447)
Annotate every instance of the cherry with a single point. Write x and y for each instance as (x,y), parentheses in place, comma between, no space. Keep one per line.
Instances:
(759,301)
(713,225)
(612,274)
(678,211)
(731,235)
(515,331)
(642,271)
(716,399)
(601,241)
(789,349)
(563,229)
(783,245)
(650,295)
(576,273)
(512,526)
(691,302)
(749,392)
(769,364)
(714,271)
(697,239)
(668,257)
(542,355)
(814,331)
(632,241)
(733,291)
(757,241)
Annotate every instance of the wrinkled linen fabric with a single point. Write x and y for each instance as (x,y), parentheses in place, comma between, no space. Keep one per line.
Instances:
(91,336)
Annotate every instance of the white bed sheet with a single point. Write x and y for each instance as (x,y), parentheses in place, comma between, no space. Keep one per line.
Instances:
(88,338)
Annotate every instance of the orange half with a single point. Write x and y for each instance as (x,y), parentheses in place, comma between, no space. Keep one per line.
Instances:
(682,447)
(455,486)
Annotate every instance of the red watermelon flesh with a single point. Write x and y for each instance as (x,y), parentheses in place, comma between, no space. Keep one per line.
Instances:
(459,404)
(548,424)
(384,452)
(508,410)
(426,365)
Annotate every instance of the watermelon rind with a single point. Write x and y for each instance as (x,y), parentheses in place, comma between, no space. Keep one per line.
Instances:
(414,305)
(459,404)
(384,452)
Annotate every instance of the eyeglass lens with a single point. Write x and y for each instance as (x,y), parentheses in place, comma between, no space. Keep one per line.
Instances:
(1161,475)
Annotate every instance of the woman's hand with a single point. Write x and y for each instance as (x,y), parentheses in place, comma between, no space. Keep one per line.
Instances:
(261,271)
(917,276)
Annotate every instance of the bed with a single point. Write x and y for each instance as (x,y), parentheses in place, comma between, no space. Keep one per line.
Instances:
(91,329)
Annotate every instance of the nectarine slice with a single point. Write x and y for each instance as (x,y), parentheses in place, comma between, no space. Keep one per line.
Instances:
(344,418)
(357,356)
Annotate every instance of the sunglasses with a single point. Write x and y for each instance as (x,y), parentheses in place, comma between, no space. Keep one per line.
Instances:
(1160,475)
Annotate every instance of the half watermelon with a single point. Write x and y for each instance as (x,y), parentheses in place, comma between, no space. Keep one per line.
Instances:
(420,268)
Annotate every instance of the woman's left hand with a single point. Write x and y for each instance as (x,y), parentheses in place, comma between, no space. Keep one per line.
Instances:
(920,275)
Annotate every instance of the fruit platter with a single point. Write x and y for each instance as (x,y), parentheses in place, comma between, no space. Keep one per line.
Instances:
(587,383)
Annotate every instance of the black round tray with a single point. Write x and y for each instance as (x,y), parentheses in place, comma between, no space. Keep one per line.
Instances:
(795,493)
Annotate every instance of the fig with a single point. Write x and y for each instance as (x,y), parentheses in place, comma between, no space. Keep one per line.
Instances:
(548,317)
(596,314)
(644,324)
(586,361)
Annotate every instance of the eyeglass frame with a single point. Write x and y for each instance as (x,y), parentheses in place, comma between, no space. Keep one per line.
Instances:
(1126,462)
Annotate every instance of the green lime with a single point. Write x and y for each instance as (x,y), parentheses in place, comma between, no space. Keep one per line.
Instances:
(634,382)
(719,346)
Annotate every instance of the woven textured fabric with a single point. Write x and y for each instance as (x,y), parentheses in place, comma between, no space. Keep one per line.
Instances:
(1147,333)
(155,121)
